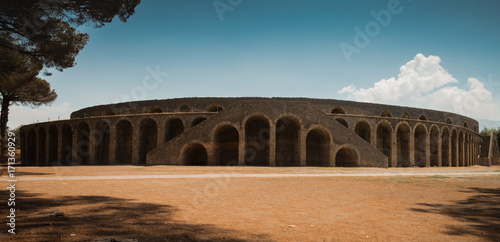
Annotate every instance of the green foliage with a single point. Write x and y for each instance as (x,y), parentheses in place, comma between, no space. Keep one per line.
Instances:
(487,131)
(17,133)
(46,29)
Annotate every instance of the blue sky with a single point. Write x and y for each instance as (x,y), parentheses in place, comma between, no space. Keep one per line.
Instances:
(289,49)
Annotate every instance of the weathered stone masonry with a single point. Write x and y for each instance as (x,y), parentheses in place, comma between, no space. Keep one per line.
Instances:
(254,131)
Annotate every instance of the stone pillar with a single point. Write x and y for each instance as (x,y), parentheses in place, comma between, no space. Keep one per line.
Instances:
(394,149)
(112,144)
(75,159)
(37,143)
(302,146)
(457,151)
(412,149)
(272,144)
(241,148)
(135,143)
(47,151)
(91,145)
(160,136)
(440,150)
(427,149)
(450,162)
(59,145)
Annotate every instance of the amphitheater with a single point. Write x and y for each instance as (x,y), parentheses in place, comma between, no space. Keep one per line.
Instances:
(254,132)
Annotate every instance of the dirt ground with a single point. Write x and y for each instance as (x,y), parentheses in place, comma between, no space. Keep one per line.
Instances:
(172,203)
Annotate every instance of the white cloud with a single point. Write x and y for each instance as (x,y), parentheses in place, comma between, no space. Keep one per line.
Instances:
(20,115)
(424,83)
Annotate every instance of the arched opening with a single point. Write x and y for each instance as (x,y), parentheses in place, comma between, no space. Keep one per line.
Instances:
(403,135)
(363,130)
(102,141)
(465,124)
(123,152)
(343,122)
(386,114)
(215,108)
(82,143)
(198,121)
(195,155)
(42,144)
(67,145)
(148,135)
(185,108)
(461,149)
(448,121)
(346,157)
(226,146)
(109,113)
(173,128)
(422,117)
(257,142)
(445,147)
(155,110)
(32,144)
(53,143)
(420,138)
(454,148)
(406,115)
(434,146)
(287,142)
(384,140)
(338,110)
(317,148)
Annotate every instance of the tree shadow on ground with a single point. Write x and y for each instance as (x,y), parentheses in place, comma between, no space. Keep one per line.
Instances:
(481,212)
(87,218)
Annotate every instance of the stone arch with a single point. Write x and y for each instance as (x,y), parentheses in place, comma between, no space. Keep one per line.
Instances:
(195,154)
(287,142)
(42,144)
(215,108)
(461,148)
(198,121)
(346,157)
(363,130)
(448,121)
(434,146)
(257,132)
(420,147)
(403,146)
(67,144)
(406,115)
(465,124)
(422,117)
(148,136)
(109,113)
(384,139)
(454,148)
(386,114)
(338,110)
(124,137)
(32,144)
(226,145)
(173,128)
(185,108)
(445,147)
(318,148)
(155,110)
(102,141)
(343,122)
(53,143)
(83,143)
